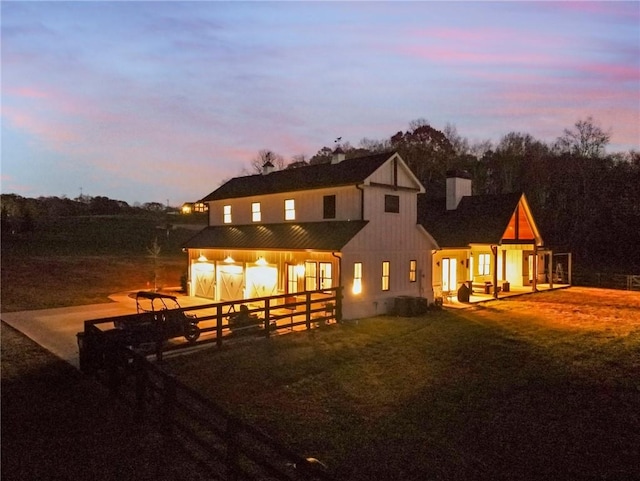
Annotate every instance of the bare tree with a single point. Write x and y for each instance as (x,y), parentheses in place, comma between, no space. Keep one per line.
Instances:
(460,144)
(299,160)
(586,140)
(154,253)
(264,156)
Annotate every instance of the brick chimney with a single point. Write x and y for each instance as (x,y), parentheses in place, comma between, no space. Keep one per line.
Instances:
(458,186)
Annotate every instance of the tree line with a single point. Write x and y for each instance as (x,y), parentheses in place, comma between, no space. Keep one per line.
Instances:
(584,200)
(23,214)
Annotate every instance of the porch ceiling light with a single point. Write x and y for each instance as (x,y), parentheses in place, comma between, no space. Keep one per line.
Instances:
(229,260)
(202,258)
(261,261)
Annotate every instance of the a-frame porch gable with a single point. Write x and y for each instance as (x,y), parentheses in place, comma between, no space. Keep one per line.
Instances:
(522,227)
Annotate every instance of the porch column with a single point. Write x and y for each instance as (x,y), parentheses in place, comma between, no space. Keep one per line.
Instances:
(534,284)
(494,251)
(550,270)
(569,269)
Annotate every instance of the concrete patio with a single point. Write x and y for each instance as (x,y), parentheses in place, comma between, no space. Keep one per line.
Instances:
(478,297)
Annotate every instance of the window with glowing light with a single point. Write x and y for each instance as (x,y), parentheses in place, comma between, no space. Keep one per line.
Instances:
(310,276)
(484,264)
(289,209)
(326,280)
(292,278)
(385,275)
(226,214)
(256,214)
(357,278)
(413,266)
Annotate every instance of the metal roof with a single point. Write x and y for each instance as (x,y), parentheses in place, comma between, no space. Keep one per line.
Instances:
(320,236)
(479,219)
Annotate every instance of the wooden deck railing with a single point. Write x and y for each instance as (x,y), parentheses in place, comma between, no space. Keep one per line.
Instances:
(267,316)
(220,443)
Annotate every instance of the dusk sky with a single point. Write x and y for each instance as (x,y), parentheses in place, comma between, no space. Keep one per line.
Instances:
(156,101)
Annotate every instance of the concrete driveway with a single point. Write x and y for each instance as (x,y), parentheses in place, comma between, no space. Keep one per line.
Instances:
(55,329)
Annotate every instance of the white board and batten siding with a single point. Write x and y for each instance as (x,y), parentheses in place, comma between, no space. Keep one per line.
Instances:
(392,237)
(308,206)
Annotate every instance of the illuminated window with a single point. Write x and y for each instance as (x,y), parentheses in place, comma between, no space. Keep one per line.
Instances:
(357,278)
(227,214)
(292,278)
(326,280)
(329,207)
(484,263)
(385,275)
(392,203)
(256,215)
(413,265)
(310,276)
(289,209)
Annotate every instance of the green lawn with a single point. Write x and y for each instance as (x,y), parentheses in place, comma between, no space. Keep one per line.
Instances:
(538,387)
(82,260)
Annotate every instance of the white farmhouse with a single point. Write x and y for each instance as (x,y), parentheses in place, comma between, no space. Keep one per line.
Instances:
(349,223)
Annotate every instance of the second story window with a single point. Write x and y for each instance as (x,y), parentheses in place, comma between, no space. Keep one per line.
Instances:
(329,207)
(289,209)
(226,214)
(392,203)
(256,214)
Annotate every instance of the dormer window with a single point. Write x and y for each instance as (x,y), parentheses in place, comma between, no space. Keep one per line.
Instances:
(256,213)
(226,214)
(289,209)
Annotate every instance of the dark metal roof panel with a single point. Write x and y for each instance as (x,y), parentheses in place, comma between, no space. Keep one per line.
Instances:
(347,172)
(322,236)
(479,219)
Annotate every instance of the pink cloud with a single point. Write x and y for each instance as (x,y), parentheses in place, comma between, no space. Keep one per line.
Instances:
(612,72)
(28,92)
(475,56)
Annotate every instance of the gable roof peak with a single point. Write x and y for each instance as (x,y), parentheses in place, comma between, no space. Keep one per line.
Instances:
(347,172)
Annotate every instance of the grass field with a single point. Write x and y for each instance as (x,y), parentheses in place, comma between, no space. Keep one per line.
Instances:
(77,261)
(542,386)
(539,387)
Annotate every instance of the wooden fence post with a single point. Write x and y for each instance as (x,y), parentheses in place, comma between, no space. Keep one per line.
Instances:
(169,403)
(219,326)
(267,317)
(159,336)
(111,360)
(233,469)
(308,308)
(141,386)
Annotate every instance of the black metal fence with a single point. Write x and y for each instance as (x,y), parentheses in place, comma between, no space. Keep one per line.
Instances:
(607,280)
